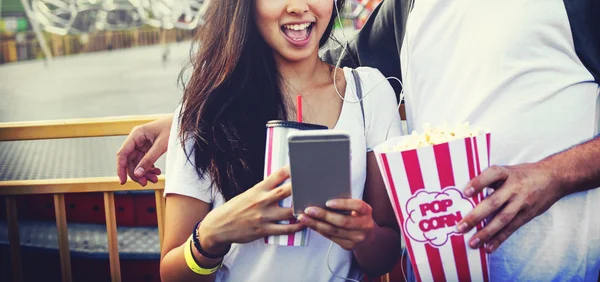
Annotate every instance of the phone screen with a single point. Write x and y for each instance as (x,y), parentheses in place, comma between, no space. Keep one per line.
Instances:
(320,168)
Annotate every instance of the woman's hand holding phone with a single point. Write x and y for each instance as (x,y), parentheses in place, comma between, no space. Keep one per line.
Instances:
(249,216)
(320,161)
(349,230)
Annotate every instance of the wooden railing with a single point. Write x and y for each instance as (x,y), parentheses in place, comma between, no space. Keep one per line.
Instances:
(59,187)
(94,127)
(72,128)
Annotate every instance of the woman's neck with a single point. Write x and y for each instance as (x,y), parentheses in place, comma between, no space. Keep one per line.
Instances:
(298,77)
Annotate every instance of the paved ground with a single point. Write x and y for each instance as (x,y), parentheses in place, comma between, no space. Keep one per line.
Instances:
(125,82)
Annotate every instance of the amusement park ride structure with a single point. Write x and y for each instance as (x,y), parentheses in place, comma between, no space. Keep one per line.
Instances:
(64,17)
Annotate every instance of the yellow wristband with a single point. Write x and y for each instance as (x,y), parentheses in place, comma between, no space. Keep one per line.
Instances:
(192,264)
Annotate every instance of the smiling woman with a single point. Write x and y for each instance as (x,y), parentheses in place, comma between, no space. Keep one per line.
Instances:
(242,73)
(291,30)
(255,58)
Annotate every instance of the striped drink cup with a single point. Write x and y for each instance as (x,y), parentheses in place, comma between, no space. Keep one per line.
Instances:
(425,188)
(276,157)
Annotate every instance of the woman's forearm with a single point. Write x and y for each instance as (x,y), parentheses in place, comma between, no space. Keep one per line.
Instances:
(380,254)
(174,268)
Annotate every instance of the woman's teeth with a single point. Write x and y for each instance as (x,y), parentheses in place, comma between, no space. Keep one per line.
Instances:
(297,32)
(297,26)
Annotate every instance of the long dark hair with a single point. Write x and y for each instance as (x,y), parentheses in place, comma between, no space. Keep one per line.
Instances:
(232,93)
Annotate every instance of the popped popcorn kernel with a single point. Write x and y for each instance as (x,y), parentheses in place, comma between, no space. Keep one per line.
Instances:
(434,135)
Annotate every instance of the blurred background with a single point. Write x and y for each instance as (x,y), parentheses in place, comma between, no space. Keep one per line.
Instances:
(91,58)
(62,61)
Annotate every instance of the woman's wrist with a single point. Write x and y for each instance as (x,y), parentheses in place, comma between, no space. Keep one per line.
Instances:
(199,259)
(210,242)
(370,237)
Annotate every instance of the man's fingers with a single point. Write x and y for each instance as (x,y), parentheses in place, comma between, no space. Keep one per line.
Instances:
(132,160)
(359,206)
(122,158)
(122,171)
(521,219)
(502,219)
(147,162)
(152,174)
(151,177)
(489,177)
(155,170)
(275,179)
(134,140)
(142,181)
(483,210)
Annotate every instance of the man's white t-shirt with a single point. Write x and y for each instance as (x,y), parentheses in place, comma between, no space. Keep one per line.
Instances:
(257,261)
(510,66)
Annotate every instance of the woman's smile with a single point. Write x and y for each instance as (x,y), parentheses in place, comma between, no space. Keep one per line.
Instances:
(298,34)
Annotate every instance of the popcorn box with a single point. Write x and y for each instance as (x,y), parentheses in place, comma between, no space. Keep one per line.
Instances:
(277,157)
(425,186)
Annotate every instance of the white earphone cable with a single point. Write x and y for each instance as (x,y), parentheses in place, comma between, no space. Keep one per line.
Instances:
(401,99)
(345,99)
(331,270)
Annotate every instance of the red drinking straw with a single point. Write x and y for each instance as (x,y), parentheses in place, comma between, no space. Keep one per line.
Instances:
(299,108)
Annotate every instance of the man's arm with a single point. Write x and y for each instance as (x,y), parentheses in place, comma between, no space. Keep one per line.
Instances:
(578,169)
(527,190)
(378,43)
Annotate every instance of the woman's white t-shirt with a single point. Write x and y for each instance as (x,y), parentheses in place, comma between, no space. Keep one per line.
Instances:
(257,261)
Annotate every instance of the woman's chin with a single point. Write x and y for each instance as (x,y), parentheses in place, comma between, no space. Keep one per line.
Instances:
(297,56)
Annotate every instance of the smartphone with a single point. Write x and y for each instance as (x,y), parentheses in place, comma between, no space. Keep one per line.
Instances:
(320,167)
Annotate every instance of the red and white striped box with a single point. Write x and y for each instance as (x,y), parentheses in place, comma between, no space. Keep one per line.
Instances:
(425,188)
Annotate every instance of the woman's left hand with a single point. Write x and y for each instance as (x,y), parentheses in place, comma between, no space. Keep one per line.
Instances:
(349,231)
